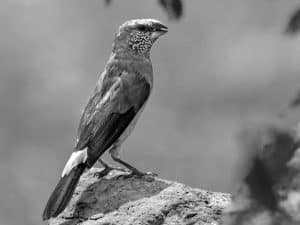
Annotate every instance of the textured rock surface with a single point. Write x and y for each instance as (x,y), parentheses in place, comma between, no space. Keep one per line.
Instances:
(114,200)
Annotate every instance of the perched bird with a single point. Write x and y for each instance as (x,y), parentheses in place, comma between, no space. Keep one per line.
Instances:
(113,108)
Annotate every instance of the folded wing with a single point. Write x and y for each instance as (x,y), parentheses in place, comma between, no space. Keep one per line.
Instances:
(109,111)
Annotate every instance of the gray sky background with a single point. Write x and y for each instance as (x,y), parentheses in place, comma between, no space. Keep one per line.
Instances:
(224,63)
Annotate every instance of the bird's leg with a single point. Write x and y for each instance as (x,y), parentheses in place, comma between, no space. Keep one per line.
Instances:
(107,169)
(115,155)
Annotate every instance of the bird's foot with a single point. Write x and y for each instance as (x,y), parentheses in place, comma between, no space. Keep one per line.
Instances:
(102,173)
(143,174)
(148,176)
(106,171)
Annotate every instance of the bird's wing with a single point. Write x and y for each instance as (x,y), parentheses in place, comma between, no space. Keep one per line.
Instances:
(108,114)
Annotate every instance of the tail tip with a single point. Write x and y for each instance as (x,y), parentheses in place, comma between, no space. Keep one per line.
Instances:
(47,215)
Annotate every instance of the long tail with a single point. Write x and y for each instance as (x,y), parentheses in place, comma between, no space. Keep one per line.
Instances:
(63,192)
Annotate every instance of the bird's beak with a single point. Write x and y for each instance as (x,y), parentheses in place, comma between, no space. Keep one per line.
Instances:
(161,30)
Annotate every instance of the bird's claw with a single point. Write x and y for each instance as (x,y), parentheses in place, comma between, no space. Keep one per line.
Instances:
(119,169)
(148,176)
(141,174)
(101,173)
(107,170)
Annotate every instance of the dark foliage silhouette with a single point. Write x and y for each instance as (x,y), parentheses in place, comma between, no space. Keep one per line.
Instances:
(269,177)
(107,2)
(173,8)
(295,101)
(293,25)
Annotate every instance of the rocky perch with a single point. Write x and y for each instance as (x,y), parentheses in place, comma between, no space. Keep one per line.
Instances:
(118,200)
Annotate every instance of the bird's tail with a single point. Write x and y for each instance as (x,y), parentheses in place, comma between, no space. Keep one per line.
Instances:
(63,192)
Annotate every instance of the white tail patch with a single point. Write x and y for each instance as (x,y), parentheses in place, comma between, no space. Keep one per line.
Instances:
(75,159)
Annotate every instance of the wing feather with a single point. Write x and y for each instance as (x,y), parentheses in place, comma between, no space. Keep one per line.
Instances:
(109,113)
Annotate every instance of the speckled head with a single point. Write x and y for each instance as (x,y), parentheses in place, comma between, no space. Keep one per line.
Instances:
(139,35)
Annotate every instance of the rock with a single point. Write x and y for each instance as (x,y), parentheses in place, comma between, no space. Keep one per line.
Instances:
(119,200)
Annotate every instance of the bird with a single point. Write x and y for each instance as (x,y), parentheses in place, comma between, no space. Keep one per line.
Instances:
(113,108)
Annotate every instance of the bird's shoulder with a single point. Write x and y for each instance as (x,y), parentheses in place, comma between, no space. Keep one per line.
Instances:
(129,77)
(135,80)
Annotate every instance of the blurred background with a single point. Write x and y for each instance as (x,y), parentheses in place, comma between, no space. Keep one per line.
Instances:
(222,64)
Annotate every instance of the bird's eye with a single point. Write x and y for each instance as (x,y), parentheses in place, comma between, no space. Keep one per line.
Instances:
(142,28)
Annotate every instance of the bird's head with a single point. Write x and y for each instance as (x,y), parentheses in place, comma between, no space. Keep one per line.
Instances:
(137,36)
